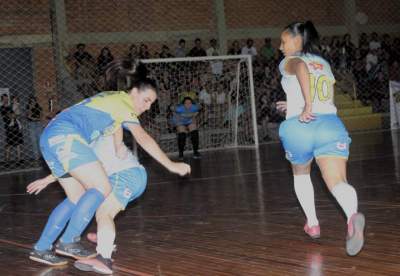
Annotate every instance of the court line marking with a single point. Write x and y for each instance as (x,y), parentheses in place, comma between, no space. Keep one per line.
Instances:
(115,267)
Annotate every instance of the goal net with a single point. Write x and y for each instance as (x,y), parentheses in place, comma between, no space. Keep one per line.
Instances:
(221,85)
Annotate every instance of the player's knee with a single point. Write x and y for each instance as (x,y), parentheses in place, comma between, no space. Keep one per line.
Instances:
(75,197)
(104,188)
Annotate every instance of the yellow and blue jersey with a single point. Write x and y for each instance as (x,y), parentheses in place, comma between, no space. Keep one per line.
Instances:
(65,141)
(99,115)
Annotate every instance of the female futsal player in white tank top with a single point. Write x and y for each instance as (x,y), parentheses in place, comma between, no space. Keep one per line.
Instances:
(313,130)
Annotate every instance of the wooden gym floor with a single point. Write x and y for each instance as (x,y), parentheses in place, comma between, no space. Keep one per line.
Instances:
(235,215)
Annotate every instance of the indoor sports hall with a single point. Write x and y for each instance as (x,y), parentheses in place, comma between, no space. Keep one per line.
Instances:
(220,70)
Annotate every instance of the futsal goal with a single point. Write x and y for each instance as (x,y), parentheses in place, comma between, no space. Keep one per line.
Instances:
(221,85)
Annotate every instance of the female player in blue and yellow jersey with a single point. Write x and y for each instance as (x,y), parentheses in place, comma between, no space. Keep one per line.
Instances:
(313,130)
(65,147)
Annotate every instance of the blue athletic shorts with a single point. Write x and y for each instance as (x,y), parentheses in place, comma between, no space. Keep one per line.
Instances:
(181,121)
(324,136)
(64,149)
(129,184)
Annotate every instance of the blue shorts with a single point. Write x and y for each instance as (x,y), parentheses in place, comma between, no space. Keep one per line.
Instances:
(181,121)
(64,149)
(129,184)
(324,136)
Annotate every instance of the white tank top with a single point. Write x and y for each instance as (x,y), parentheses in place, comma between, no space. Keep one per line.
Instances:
(321,86)
(105,151)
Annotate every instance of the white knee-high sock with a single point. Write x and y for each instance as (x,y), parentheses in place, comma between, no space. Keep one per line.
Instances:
(305,194)
(346,196)
(105,242)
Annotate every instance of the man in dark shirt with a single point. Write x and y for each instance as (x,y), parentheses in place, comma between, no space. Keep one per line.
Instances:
(197,50)
(81,55)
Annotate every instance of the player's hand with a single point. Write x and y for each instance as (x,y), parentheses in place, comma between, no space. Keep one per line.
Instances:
(180,168)
(306,116)
(281,106)
(122,152)
(37,186)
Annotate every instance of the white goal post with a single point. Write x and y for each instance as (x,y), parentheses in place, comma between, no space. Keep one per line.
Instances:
(223,87)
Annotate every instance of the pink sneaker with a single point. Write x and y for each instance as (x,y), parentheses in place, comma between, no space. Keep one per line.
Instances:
(98,264)
(314,231)
(355,234)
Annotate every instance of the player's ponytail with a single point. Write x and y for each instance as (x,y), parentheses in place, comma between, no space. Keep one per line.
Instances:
(125,74)
(309,35)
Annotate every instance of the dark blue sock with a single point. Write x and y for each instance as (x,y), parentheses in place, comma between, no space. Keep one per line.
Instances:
(55,224)
(82,215)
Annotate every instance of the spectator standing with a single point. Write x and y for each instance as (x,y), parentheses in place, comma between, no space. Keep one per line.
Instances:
(165,53)
(5,108)
(133,52)
(181,50)
(16,106)
(235,48)
(197,50)
(363,44)
(347,49)
(394,71)
(374,43)
(249,49)
(216,66)
(104,59)
(325,48)
(267,52)
(14,136)
(144,51)
(35,127)
(81,55)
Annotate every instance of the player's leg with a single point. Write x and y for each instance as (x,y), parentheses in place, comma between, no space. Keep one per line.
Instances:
(105,215)
(95,181)
(300,155)
(333,171)
(331,155)
(56,224)
(194,136)
(69,153)
(127,185)
(304,191)
(182,130)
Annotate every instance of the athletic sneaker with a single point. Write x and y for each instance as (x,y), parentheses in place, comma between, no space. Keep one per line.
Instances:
(74,250)
(196,155)
(47,257)
(355,234)
(314,231)
(99,265)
